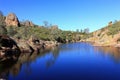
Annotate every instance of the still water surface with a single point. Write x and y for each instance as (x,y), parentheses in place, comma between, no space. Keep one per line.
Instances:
(74,61)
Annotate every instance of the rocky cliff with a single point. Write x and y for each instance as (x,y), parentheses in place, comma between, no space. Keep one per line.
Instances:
(27,23)
(11,20)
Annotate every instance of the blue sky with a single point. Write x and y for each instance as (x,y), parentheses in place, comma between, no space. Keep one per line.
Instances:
(67,14)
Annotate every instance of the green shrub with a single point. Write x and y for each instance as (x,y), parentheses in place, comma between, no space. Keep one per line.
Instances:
(114,29)
(3,30)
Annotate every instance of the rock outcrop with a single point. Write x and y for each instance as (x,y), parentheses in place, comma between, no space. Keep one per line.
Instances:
(54,27)
(110,23)
(101,38)
(7,43)
(8,48)
(27,23)
(11,20)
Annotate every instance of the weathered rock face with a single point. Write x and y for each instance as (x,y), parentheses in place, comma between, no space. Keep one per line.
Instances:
(27,23)
(54,27)
(7,42)
(110,23)
(11,20)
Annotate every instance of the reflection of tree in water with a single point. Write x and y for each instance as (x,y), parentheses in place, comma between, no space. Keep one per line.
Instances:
(53,57)
(112,51)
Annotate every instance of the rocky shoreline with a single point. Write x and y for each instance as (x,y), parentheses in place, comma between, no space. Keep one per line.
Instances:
(98,44)
(12,48)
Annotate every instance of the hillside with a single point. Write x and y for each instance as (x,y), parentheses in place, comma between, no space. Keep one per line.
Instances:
(11,26)
(27,37)
(107,36)
(25,30)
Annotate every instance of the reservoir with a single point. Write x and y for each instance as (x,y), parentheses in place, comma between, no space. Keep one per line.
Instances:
(73,61)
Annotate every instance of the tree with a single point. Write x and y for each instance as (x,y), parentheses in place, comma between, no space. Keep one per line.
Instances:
(77,30)
(45,23)
(81,31)
(86,30)
(115,21)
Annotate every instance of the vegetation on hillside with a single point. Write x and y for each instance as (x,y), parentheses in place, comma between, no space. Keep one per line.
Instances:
(43,33)
(114,28)
(2,19)
(47,32)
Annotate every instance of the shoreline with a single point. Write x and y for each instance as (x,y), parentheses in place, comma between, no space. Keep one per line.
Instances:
(11,48)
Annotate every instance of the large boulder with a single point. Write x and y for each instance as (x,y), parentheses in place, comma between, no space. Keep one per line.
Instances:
(12,20)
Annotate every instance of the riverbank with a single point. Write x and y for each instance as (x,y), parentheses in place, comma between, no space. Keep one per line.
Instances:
(13,47)
(102,44)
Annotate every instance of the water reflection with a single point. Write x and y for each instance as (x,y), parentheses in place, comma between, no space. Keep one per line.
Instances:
(14,67)
(52,59)
(5,69)
(26,59)
(113,52)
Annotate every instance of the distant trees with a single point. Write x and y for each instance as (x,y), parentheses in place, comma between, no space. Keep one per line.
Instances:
(46,32)
(46,24)
(86,30)
(77,30)
(83,31)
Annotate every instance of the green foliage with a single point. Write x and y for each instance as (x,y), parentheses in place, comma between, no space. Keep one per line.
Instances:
(11,31)
(42,33)
(2,19)
(3,30)
(47,32)
(114,29)
(85,36)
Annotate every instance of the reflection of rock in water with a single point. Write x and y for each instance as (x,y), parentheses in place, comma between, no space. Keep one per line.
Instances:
(4,75)
(112,51)
(4,69)
(24,57)
(7,62)
(10,55)
(15,69)
(14,66)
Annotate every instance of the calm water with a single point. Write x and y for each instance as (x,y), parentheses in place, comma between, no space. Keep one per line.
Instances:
(74,61)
